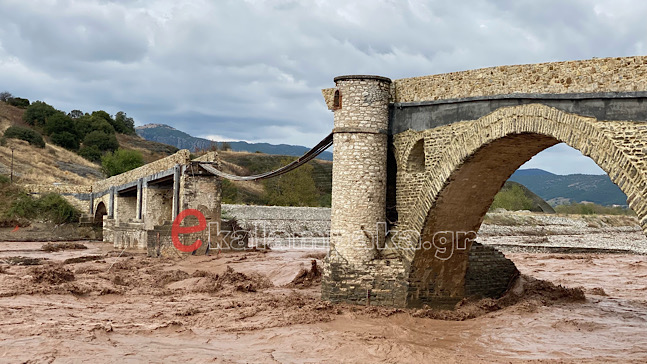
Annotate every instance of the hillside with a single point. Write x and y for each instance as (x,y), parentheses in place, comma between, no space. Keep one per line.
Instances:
(513,193)
(246,192)
(54,164)
(571,188)
(168,135)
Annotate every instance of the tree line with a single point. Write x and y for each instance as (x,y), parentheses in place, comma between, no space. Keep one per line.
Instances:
(91,135)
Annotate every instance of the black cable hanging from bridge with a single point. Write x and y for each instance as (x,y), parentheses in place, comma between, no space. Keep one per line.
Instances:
(310,155)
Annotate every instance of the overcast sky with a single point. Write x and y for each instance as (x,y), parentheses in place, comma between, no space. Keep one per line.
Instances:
(252,70)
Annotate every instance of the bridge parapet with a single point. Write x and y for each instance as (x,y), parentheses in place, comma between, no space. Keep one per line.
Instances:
(182,157)
(598,75)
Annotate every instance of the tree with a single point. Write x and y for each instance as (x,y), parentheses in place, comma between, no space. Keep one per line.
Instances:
(57,123)
(102,141)
(38,112)
(296,188)
(66,140)
(98,124)
(225,146)
(5,96)
(512,199)
(124,124)
(75,114)
(88,123)
(118,125)
(18,102)
(29,135)
(121,161)
(91,153)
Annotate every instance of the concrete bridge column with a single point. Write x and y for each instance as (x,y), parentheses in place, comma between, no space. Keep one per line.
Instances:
(111,204)
(177,174)
(91,209)
(140,188)
(355,271)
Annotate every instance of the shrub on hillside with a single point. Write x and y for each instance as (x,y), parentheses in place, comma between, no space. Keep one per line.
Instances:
(102,141)
(229,192)
(512,199)
(66,140)
(91,153)
(18,102)
(295,188)
(38,112)
(124,124)
(26,134)
(4,179)
(58,122)
(50,207)
(121,161)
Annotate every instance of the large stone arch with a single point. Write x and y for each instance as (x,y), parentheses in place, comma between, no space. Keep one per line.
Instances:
(468,162)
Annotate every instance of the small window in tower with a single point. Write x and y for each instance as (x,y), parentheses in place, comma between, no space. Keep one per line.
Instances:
(336,103)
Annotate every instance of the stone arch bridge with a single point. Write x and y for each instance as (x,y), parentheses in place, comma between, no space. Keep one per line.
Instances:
(417,163)
(136,208)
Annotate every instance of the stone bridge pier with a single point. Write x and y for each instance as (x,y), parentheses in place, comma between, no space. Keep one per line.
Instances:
(418,161)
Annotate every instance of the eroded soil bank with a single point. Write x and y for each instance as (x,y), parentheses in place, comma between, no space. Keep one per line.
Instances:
(108,306)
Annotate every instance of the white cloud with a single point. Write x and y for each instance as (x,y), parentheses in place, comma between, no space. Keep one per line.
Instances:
(562,159)
(220,138)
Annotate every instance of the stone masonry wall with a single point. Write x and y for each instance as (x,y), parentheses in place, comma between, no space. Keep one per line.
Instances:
(264,220)
(359,170)
(77,196)
(353,269)
(181,157)
(625,74)
(467,163)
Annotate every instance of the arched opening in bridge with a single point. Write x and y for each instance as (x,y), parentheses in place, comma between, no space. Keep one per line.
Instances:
(99,213)
(566,180)
(416,160)
(460,207)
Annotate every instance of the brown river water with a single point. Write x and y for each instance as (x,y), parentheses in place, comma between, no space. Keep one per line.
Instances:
(129,308)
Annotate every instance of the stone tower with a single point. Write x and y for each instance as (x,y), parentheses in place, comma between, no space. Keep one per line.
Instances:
(358,221)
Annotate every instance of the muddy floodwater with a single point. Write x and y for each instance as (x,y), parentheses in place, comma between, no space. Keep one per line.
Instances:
(110,306)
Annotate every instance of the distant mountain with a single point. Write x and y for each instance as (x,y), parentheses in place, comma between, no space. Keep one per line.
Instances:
(165,134)
(573,187)
(533,172)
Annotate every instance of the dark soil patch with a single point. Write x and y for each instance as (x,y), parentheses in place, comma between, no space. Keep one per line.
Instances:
(231,279)
(307,277)
(85,258)
(526,294)
(317,255)
(23,261)
(55,247)
(54,274)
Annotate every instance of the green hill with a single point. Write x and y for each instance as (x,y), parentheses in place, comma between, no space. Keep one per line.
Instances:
(514,196)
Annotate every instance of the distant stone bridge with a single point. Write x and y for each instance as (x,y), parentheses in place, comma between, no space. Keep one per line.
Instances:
(418,161)
(137,208)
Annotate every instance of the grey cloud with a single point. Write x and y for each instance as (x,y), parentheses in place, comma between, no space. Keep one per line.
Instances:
(254,69)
